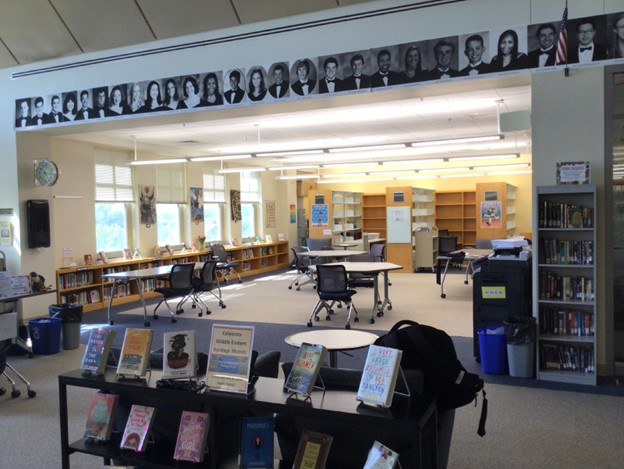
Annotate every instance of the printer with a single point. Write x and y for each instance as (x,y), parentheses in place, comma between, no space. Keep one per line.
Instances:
(516,248)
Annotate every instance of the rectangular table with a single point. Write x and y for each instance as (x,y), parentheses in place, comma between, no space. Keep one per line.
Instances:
(471,255)
(373,269)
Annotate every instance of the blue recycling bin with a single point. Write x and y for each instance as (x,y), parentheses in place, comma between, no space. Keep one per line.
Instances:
(493,348)
(45,334)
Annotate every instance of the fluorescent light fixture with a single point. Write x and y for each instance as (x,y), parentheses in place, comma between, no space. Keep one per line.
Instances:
(337,181)
(390,146)
(396,171)
(503,166)
(349,165)
(221,158)
(470,174)
(442,170)
(163,161)
(279,154)
(449,141)
(423,161)
(484,157)
(341,175)
(285,168)
(299,176)
(497,173)
(253,169)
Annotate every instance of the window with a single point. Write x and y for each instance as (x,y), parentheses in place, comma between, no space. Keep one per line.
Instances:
(250,203)
(214,203)
(171,195)
(113,196)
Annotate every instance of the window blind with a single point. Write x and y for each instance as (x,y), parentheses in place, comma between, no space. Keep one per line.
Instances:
(214,187)
(113,176)
(250,187)
(171,185)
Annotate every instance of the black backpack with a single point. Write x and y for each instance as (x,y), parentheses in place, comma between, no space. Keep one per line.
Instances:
(432,351)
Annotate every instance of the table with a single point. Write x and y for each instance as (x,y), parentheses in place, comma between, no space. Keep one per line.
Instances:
(335,340)
(330,254)
(471,255)
(345,245)
(373,269)
(138,275)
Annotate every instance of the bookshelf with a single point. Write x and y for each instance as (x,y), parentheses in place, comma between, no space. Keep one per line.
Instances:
(374,214)
(86,286)
(496,194)
(456,211)
(564,300)
(424,232)
(335,214)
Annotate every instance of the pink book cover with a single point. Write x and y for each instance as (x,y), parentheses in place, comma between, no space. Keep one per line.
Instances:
(137,428)
(192,433)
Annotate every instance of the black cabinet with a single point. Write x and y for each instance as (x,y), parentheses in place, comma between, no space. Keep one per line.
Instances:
(501,289)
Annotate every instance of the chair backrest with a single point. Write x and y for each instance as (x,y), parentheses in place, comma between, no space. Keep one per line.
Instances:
(208,275)
(483,243)
(331,279)
(318,244)
(181,275)
(219,252)
(366,257)
(301,262)
(443,232)
(447,244)
(378,251)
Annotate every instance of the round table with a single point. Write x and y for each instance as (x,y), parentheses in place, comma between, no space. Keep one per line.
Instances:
(335,340)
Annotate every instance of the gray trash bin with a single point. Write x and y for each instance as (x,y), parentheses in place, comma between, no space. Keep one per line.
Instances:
(520,333)
(71,316)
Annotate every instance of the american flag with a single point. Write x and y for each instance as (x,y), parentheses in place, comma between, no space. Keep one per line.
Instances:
(562,43)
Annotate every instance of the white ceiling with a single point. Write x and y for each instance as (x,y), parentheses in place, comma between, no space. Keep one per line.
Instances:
(34,30)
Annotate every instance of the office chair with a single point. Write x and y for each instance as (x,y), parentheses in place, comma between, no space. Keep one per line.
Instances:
(446,244)
(5,345)
(357,279)
(332,284)
(224,266)
(180,285)
(318,244)
(206,282)
(378,251)
(302,265)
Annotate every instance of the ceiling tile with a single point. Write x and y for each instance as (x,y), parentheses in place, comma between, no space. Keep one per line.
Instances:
(260,10)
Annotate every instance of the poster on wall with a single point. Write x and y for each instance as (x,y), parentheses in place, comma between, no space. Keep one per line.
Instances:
(573,172)
(491,214)
(5,233)
(147,202)
(197,204)
(320,215)
(292,209)
(236,206)
(270,214)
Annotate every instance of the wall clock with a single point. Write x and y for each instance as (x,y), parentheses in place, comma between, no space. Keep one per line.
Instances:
(46,172)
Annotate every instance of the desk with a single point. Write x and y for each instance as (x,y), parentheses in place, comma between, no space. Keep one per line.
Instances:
(345,245)
(335,340)
(373,269)
(412,415)
(329,254)
(471,255)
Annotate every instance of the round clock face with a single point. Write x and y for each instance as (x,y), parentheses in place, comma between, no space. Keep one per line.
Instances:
(46,173)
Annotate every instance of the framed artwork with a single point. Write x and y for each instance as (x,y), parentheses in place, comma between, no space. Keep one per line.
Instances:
(235,205)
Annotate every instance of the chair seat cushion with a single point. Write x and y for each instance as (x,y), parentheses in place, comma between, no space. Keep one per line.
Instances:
(342,296)
(168,291)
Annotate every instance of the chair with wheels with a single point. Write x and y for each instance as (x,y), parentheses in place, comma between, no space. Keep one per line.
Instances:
(302,264)
(5,345)
(378,251)
(180,286)
(332,285)
(206,283)
(224,266)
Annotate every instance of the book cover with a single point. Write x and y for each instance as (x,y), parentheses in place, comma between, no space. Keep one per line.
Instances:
(381,457)
(97,350)
(100,417)
(229,358)
(192,433)
(94,296)
(379,376)
(179,355)
(137,427)
(313,450)
(256,448)
(305,369)
(134,356)
(103,257)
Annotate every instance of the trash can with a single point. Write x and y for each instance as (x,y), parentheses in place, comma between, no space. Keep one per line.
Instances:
(520,333)
(71,316)
(45,334)
(492,349)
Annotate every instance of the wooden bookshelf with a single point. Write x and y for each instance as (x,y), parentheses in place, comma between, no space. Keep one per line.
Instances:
(503,195)
(456,211)
(374,214)
(85,285)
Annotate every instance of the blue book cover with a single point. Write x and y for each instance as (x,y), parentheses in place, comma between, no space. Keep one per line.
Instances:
(256,450)
(305,369)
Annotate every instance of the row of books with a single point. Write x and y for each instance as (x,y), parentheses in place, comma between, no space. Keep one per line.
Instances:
(266,251)
(563,251)
(247,253)
(565,288)
(567,358)
(83,297)
(566,322)
(76,279)
(563,215)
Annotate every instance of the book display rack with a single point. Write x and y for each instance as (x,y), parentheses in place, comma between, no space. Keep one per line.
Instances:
(564,299)
(85,285)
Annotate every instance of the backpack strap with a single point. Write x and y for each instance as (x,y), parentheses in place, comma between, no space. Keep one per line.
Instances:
(404,322)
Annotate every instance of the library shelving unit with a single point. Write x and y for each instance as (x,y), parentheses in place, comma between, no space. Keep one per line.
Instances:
(424,232)
(456,211)
(86,286)
(374,214)
(564,300)
(496,194)
(336,215)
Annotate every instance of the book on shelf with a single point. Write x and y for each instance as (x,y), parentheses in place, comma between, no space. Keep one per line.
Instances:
(381,369)
(100,417)
(381,457)
(229,358)
(134,356)
(138,427)
(256,447)
(192,433)
(103,257)
(305,369)
(313,450)
(97,350)
(179,355)
(94,296)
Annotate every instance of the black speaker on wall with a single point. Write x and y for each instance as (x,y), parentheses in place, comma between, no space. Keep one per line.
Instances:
(38,219)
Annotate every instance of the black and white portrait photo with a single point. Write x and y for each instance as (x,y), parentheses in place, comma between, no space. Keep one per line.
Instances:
(147,204)
(542,44)
(100,102)
(85,106)
(70,105)
(153,97)
(413,67)
(509,49)
(135,94)
(212,84)
(55,114)
(357,70)
(235,86)
(280,80)
(22,113)
(303,77)
(331,75)
(387,63)
(190,92)
(474,56)
(587,40)
(257,83)
(117,101)
(442,55)
(38,116)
